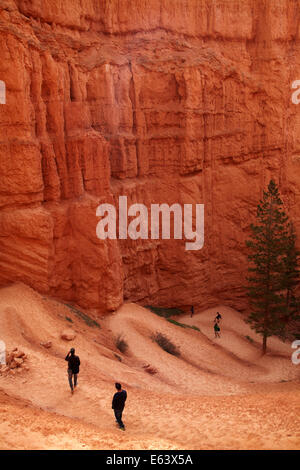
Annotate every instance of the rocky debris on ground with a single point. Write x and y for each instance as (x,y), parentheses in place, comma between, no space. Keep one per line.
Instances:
(151,370)
(15,362)
(68,334)
(47,344)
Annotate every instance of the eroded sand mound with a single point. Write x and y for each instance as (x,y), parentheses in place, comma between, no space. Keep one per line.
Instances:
(219,393)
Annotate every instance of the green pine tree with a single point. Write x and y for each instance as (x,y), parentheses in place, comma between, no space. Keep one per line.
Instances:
(266,255)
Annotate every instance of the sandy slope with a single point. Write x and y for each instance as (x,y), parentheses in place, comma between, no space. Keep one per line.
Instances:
(217,394)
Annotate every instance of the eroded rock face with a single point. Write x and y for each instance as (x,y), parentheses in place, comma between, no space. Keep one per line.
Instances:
(162,101)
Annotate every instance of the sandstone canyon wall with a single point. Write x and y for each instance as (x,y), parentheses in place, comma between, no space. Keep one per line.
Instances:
(183,101)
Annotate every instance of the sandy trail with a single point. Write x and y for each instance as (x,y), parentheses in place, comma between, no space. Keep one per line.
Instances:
(217,394)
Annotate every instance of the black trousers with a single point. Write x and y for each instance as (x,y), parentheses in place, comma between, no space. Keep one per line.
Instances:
(70,375)
(118,415)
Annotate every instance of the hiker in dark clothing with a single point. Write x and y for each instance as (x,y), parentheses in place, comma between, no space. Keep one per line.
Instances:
(218,317)
(118,404)
(192,310)
(217,330)
(73,368)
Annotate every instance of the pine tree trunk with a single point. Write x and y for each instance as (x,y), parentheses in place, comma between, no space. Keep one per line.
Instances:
(264,344)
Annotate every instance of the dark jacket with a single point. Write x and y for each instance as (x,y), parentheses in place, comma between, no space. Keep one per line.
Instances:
(73,363)
(119,399)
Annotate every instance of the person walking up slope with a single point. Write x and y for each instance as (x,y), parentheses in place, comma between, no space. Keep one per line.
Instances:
(218,317)
(73,368)
(118,404)
(217,330)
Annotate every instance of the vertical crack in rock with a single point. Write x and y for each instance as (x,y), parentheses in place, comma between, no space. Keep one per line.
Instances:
(135,127)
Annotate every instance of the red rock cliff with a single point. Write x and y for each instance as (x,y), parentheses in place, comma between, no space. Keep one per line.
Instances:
(160,100)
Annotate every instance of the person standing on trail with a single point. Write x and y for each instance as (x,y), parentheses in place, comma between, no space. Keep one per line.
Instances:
(118,404)
(218,317)
(217,330)
(73,368)
(192,310)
